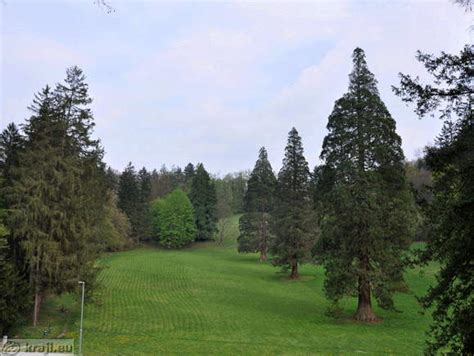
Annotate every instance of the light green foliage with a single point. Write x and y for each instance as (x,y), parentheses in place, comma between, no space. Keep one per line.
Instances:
(173,220)
(115,229)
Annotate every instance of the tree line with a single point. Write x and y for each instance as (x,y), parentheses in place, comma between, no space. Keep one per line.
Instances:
(357,212)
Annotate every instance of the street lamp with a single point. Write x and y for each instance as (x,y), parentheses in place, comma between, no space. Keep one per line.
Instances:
(82,316)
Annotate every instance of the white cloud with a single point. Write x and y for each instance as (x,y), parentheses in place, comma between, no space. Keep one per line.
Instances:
(207,90)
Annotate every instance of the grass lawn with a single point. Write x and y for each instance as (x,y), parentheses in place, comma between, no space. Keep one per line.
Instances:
(210,299)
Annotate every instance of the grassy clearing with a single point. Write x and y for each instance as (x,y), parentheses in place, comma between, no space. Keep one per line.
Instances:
(209,299)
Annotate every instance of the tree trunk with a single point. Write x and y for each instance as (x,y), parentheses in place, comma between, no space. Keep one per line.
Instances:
(364,307)
(36,311)
(34,277)
(263,238)
(294,270)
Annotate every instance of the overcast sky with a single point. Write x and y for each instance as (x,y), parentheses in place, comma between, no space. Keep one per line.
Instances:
(177,82)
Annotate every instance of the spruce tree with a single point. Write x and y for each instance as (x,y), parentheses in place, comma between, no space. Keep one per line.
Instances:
(129,197)
(255,223)
(294,219)
(366,224)
(58,196)
(14,297)
(143,213)
(451,159)
(204,200)
(11,144)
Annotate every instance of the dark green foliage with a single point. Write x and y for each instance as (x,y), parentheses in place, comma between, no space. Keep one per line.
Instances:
(11,143)
(367,207)
(204,200)
(59,193)
(294,218)
(420,180)
(129,195)
(173,220)
(143,227)
(254,224)
(451,160)
(189,172)
(164,182)
(15,298)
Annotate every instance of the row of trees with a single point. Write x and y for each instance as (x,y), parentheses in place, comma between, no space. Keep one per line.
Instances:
(58,210)
(357,213)
(156,216)
(353,214)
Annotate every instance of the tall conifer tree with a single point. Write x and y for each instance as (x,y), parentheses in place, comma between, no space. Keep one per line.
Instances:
(204,200)
(254,224)
(144,217)
(129,197)
(294,219)
(367,225)
(58,196)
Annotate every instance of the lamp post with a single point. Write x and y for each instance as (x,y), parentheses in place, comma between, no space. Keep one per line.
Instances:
(82,316)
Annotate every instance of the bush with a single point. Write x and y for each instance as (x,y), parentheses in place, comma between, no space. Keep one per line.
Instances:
(173,220)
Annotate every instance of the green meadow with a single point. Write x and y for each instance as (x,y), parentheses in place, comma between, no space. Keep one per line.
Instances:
(210,299)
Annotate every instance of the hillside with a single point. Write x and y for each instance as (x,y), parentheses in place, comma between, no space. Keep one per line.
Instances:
(209,299)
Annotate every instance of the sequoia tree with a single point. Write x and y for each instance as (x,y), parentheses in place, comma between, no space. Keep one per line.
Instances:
(367,207)
(254,224)
(293,216)
(451,159)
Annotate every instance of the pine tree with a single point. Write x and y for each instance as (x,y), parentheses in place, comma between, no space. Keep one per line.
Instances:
(204,200)
(451,160)
(293,216)
(254,224)
(366,224)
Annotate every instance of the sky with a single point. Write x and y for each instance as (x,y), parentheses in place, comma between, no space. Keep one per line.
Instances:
(193,81)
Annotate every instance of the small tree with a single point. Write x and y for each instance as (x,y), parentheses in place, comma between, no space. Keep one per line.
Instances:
(254,224)
(293,216)
(173,220)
